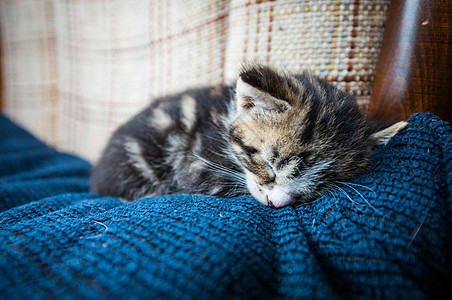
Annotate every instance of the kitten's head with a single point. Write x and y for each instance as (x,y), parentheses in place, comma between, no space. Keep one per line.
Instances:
(296,136)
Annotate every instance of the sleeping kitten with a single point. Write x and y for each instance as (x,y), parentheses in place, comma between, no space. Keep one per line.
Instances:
(280,137)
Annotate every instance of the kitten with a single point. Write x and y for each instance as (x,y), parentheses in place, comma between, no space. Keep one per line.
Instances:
(280,137)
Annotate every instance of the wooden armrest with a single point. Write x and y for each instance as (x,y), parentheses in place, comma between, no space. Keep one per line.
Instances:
(415,65)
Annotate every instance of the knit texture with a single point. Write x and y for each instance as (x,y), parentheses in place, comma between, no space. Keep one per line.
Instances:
(385,234)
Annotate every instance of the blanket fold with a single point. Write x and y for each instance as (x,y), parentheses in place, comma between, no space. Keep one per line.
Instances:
(384,234)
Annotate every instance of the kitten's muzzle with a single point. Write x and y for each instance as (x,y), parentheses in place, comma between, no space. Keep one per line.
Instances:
(272,195)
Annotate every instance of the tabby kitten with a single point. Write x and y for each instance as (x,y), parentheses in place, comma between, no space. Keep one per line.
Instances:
(280,137)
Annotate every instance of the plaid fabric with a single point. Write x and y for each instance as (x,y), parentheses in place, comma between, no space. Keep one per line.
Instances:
(75,70)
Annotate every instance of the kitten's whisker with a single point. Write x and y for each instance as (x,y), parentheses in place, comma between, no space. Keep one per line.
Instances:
(299,160)
(221,169)
(330,192)
(418,227)
(345,193)
(365,200)
(223,153)
(363,186)
(238,184)
(298,169)
(303,203)
(211,137)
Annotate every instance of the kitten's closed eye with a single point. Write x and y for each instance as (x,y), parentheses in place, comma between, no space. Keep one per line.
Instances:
(283,163)
(279,137)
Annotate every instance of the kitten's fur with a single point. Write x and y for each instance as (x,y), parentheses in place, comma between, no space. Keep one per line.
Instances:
(279,137)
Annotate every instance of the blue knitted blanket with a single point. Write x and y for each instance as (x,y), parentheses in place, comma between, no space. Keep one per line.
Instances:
(385,234)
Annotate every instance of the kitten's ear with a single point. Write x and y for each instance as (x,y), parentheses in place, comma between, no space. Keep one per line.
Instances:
(383,136)
(251,99)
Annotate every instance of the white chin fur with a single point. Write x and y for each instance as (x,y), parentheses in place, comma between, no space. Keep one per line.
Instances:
(256,191)
(276,197)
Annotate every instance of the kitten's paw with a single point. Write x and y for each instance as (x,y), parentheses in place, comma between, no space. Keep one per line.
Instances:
(382,137)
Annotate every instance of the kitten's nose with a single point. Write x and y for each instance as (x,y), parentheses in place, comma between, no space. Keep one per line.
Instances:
(270,203)
(279,197)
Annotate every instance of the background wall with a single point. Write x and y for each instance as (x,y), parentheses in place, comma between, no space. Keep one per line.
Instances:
(75,70)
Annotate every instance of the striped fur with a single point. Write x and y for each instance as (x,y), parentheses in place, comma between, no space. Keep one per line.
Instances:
(276,136)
